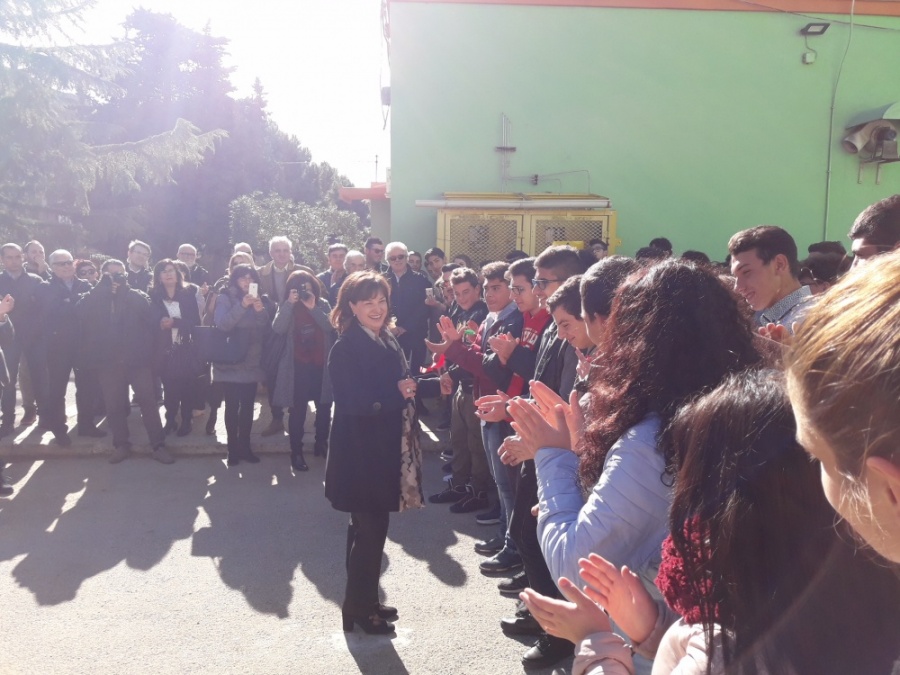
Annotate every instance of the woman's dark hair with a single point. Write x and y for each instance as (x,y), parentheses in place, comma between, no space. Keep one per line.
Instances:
(83,264)
(696,256)
(357,287)
(156,287)
(673,333)
(185,271)
(599,283)
(567,296)
(822,266)
(238,272)
(299,277)
(758,553)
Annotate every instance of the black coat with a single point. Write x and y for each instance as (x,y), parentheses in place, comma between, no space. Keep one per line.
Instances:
(408,303)
(118,328)
(59,323)
(26,315)
(190,317)
(363,469)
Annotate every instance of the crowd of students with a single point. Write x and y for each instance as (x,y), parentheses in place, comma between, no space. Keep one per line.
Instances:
(638,429)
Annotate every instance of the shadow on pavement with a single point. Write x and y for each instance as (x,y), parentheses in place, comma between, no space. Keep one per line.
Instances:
(257,553)
(74,519)
(375,655)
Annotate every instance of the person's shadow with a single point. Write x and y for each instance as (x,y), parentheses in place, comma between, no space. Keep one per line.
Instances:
(94,516)
(264,524)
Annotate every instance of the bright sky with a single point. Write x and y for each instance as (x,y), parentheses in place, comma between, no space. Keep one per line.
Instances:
(322,64)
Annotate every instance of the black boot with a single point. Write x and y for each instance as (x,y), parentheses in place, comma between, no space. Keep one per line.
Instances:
(297,461)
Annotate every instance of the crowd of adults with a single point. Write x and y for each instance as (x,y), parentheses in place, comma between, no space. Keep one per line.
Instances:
(630,427)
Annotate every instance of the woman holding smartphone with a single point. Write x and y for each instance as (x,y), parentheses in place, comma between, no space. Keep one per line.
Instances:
(303,317)
(240,308)
(374,462)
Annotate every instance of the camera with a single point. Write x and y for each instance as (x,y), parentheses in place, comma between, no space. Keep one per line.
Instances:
(304,291)
(118,278)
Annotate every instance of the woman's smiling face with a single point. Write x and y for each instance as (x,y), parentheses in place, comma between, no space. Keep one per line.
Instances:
(371,313)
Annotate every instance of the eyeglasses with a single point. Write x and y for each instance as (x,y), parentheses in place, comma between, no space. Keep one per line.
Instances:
(517,290)
(543,283)
(65,263)
(397,258)
(88,272)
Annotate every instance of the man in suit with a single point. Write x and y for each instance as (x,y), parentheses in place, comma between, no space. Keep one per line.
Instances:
(59,328)
(7,336)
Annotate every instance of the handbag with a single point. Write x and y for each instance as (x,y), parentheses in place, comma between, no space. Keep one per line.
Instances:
(182,361)
(273,350)
(220,347)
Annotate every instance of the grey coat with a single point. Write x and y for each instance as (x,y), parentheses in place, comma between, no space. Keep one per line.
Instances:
(230,315)
(283,390)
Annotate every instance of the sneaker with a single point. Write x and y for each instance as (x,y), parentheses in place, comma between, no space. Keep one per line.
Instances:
(512,587)
(474,501)
(490,546)
(489,517)
(275,427)
(120,453)
(161,455)
(450,495)
(505,562)
(547,651)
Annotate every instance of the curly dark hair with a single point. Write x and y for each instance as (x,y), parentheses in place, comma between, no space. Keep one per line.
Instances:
(674,332)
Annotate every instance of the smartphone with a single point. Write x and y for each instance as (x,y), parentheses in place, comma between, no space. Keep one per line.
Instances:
(429,293)
(254,289)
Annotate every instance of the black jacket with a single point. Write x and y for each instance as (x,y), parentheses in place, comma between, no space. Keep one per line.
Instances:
(59,320)
(116,328)
(199,275)
(408,303)
(139,280)
(7,337)
(27,313)
(190,317)
(363,470)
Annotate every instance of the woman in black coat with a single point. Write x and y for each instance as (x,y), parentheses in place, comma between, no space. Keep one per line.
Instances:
(374,462)
(177,312)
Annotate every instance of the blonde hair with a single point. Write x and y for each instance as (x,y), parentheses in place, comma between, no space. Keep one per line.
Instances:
(844,366)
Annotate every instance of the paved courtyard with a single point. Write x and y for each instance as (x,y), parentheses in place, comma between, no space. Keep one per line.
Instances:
(198,568)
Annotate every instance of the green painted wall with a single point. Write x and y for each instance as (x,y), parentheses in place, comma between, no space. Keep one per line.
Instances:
(695,124)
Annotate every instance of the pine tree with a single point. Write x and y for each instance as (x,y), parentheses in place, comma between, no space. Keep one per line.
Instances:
(49,160)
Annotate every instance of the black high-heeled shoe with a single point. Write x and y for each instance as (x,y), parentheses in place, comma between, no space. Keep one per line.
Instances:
(373,625)
(386,612)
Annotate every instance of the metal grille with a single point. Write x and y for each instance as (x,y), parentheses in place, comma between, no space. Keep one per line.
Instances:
(481,238)
(550,230)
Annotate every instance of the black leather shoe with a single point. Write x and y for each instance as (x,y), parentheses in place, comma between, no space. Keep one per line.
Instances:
(386,612)
(490,546)
(512,587)
(298,463)
(521,625)
(250,457)
(547,651)
(61,437)
(373,625)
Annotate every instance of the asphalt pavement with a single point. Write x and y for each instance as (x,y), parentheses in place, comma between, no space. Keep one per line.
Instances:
(199,568)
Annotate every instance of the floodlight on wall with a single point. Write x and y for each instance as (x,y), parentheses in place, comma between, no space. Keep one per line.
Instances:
(873,137)
(814,29)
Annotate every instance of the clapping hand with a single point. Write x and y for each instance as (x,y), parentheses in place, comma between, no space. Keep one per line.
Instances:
(622,594)
(503,345)
(573,620)
(536,432)
(166,323)
(492,408)
(549,403)
(584,365)
(6,306)
(513,451)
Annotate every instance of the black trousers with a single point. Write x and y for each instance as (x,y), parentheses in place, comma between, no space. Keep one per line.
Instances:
(179,393)
(239,399)
(308,387)
(523,530)
(88,397)
(13,356)
(114,381)
(59,366)
(366,535)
